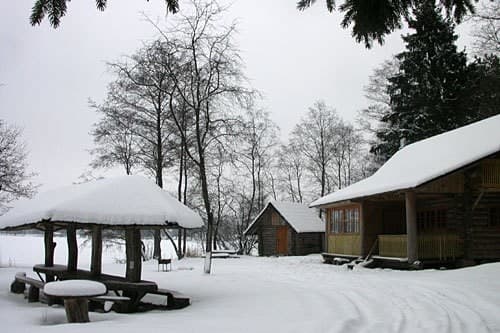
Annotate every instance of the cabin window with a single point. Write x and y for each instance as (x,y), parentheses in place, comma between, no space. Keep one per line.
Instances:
(344,220)
(494,216)
(432,219)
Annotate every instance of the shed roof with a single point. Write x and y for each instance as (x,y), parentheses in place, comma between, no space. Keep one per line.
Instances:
(426,160)
(120,201)
(300,217)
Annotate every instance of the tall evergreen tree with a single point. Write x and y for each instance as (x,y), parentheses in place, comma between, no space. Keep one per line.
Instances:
(425,93)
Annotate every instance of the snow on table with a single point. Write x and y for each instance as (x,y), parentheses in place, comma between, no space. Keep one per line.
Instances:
(74,288)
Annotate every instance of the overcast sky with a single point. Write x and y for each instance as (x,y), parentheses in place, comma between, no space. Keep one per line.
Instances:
(294,58)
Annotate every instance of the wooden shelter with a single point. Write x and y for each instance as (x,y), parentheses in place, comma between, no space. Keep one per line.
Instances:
(130,203)
(285,228)
(436,201)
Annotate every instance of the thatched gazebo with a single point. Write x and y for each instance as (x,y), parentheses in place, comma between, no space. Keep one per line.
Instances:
(130,203)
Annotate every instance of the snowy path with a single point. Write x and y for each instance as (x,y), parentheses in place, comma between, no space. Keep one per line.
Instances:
(294,294)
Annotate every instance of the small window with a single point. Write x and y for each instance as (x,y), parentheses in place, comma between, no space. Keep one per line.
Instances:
(432,219)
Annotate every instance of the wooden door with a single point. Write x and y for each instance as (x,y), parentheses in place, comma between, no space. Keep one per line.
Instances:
(282,240)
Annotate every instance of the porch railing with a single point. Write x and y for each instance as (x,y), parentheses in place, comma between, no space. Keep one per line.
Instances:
(349,244)
(430,246)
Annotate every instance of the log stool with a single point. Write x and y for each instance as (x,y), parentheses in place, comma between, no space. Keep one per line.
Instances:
(76,294)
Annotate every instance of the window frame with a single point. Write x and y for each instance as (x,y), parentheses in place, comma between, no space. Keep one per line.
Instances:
(345,220)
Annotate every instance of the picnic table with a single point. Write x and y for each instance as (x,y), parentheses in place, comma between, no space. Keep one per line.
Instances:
(128,293)
(76,294)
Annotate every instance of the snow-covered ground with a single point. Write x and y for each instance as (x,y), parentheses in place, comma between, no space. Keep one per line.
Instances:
(288,294)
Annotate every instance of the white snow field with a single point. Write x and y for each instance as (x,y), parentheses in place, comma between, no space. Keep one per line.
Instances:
(287,294)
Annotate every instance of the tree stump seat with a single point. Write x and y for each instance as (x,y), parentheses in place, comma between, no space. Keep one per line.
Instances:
(76,295)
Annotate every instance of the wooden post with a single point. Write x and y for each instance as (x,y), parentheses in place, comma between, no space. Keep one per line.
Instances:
(49,245)
(184,241)
(179,242)
(467,222)
(72,247)
(411,226)
(49,249)
(133,252)
(96,263)
(77,310)
(362,233)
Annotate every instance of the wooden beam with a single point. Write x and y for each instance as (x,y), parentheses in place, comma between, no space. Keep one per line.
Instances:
(133,252)
(72,247)
(96,261)
(411,226)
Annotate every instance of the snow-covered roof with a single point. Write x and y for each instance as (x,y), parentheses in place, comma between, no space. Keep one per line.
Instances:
(300,217)
(426,160)
(128,200)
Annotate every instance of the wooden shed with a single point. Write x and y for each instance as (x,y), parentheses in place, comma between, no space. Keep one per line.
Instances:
(285,228)
(435,201)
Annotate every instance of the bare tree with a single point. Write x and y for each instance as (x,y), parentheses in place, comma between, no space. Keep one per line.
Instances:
(115,139)
(486,31)
(206,77)
(317,137)
(14,176)
(137,104)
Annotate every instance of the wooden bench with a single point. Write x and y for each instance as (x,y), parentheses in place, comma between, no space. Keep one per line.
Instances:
(165,263)
(175,300)
(107,302)
(18,286)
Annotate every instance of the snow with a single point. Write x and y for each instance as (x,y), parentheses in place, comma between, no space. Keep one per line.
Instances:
(74,288)
(113,201)
(426,160)
(299,216)
(285,294)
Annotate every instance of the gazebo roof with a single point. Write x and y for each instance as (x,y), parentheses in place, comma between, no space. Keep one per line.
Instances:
(120,201)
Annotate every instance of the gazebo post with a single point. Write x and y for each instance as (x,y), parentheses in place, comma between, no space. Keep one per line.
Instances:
(179,241)
(96,261)
(48,238)
(133,253)
(72,247)
(184,241)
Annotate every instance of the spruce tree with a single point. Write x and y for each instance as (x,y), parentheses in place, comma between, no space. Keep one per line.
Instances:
(425,93)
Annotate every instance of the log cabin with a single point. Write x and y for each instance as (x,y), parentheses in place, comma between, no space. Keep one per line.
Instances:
(286,228)
(435,202)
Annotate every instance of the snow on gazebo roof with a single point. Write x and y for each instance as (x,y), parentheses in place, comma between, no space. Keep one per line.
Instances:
(120,201)
(300,217)
(426,160)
